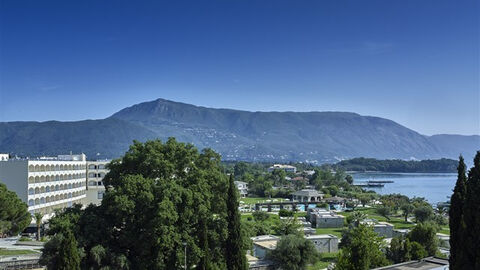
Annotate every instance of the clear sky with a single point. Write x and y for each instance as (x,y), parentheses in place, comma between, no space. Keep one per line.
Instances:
(415,62)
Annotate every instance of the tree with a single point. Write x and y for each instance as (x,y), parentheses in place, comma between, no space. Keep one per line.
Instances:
(399,250)
(159,196)
(61,252)
(364,199)
(349,179)
(288,226)
(384,211)
(240,169)
(235,255)
(425,235)
(69,257)
(402,249)
(14,215)
(293,252)
(285,213)
(470,243)
(407,209)
(417,251)
(260,216)
(38,221)
(423,213)
(363,251)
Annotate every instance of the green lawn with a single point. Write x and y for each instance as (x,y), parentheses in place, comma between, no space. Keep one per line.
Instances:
(445,230)
(326,259)
(397,221)
(9,252)
(335,231)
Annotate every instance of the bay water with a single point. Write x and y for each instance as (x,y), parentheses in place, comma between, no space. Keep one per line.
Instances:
(434,187)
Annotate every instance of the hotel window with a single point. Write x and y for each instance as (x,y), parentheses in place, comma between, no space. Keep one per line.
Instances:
(100,195)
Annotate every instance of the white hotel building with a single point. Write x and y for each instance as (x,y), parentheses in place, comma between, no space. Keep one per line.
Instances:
(46,184)
(96,171)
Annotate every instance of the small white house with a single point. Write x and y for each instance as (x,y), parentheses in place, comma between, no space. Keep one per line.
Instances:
(307,195)
(321,218)
(383,229)
(324,242)
(242,188)
(286,168)
(263,243)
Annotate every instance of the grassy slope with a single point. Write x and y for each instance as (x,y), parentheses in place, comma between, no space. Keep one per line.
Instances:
(10,252)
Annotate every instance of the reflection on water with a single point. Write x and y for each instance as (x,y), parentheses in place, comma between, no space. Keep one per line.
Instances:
(435,187)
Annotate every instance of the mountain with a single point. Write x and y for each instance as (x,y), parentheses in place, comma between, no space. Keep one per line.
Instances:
(237,135)
(104,138)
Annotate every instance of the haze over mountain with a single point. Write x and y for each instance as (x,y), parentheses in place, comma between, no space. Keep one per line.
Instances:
(237,135)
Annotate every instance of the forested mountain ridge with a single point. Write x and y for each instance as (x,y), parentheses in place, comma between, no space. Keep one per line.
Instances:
(401,166)
(238,135)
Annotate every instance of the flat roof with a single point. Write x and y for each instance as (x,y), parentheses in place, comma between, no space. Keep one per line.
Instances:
(320,236)
(264,238)
(270,244)
(251,258)
(429,263)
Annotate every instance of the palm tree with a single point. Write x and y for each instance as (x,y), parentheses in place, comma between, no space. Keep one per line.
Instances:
(38,220)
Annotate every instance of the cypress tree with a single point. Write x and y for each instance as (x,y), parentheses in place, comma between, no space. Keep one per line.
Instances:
(69,257)
(471,210)
(457,223)
(204,263)
(235,255)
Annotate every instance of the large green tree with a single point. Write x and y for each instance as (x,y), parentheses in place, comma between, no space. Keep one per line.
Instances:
(423,213)
(471,210)
(159,198)
(293,252)
(457,223)
(363,250)
(14,216)
(425,235)
(235,255)
(61,252)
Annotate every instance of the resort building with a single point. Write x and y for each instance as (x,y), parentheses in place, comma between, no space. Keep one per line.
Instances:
(242,188)
(96,171)
(263,243)
(321,218)
(286,168)
(324,242)
(429,263)
(383,229)
(307,195)
(46,183)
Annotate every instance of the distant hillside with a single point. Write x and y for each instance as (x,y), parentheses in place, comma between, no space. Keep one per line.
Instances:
(97,138)
(238,135)
(402,166)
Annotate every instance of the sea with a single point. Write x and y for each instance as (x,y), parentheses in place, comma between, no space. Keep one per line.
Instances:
(434,187)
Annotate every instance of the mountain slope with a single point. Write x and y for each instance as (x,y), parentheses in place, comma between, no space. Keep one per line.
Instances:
(239,135)
(96,138)
(320,136)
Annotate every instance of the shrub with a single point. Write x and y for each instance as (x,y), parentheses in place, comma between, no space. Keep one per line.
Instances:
(285,213)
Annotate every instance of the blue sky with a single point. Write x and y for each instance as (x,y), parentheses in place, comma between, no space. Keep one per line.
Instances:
(415,62)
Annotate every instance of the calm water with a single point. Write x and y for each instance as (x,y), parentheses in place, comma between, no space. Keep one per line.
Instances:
(435,187)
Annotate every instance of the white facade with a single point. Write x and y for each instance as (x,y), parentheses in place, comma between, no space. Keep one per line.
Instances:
(263,243)
(46,184)
(242,188)
(96,171)
(324,242)
(286,168)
